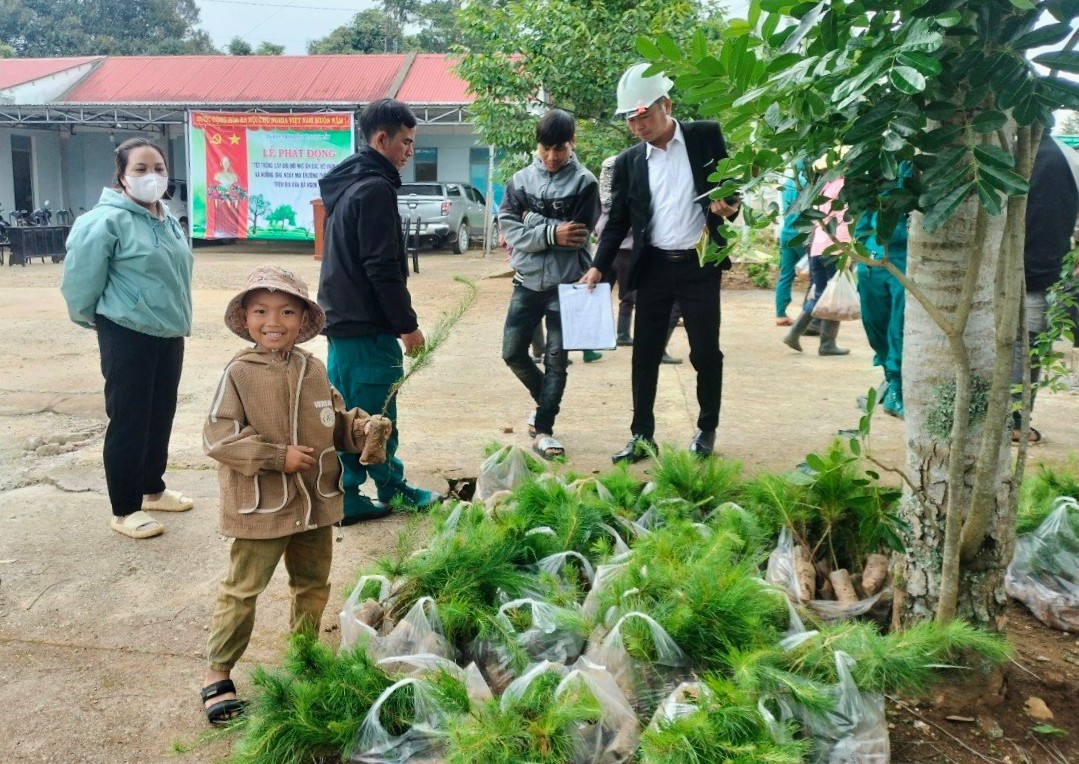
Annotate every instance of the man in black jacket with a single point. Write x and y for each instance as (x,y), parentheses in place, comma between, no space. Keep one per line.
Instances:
(1052,206)
(660,192)
(363,289)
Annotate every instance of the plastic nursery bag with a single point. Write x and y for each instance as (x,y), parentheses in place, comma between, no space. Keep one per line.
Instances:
(420,631)
(551,635)
(360,619)
(556,563)
(643,682)
(423,664)
(856,731)
(517,688)
(683,701)
(504,470)
(605,574)
(614,738)
(1044,573)
(422,742)
(782,572)
(840,300)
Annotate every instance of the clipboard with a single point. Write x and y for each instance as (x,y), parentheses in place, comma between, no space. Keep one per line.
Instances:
(587,317)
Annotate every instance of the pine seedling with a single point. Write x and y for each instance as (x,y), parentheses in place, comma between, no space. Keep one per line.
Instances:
(909,661)
(374,449)
(726,728)
(312,707)
(776,502)
(537,727)
(435,338)
(705,482)
(1041,489)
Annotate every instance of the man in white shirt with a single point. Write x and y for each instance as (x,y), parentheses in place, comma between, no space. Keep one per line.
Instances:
(660,192)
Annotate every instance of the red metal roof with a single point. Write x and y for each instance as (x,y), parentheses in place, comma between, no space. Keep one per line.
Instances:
(432,80)
(239,79)
(16,71)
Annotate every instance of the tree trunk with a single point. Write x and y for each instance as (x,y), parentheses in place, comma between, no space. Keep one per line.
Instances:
(937,263)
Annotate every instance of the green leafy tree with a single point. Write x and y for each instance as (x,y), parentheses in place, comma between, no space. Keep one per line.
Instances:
(269,49)
(238,46)
(43,28)
(6,51)
(369,32)
(281,215)
(565,54)
(1070,124)
(257,206)
(949,87)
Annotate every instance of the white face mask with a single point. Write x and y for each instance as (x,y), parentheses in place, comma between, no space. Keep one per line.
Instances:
(146,188)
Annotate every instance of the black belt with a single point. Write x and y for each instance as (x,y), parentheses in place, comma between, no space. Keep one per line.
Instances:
(674,255)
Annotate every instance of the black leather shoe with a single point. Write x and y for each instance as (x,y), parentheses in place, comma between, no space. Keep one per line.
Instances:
(636,450)
(703,443)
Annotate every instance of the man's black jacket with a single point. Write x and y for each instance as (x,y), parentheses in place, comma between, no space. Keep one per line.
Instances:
(1052,205)
(631,197)
(362,286)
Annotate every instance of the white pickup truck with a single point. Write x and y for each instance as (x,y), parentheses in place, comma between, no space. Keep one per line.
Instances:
(447,213)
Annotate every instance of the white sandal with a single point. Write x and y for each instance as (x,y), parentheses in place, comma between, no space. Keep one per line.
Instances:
(137,525)
(170,501)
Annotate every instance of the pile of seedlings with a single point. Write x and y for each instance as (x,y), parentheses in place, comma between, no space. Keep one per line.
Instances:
(839,527)
(605,620)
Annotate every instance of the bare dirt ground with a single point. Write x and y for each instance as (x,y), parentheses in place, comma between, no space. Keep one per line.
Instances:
(102,637)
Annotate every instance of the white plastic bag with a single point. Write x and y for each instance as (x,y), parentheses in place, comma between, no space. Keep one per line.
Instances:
(605,574)
(423,664)
(856,731)
(645,682)
(801,268)
(555,564)
(357,613)
(421,742)
(504,470)
(420,631)
(1044,573)
(782,573)
(552,635)
(840,300)
(614,738)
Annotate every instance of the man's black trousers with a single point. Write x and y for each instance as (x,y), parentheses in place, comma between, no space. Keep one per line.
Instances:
(662,283)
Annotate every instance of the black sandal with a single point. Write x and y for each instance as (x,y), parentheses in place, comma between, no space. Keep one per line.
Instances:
(223,711)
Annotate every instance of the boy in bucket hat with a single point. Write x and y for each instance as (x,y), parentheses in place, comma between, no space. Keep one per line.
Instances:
(275,427)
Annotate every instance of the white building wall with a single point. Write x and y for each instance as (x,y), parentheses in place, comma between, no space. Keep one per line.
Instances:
(48,172)
(453,143)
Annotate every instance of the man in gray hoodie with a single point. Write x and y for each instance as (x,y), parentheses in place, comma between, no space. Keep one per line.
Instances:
(548,211)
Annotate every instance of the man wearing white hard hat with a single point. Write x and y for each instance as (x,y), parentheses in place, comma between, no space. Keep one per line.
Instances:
(660,192)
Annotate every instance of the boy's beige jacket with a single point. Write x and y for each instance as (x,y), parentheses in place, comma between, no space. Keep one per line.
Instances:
(265,402)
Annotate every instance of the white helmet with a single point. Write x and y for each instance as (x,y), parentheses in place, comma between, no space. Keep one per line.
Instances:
(637,92)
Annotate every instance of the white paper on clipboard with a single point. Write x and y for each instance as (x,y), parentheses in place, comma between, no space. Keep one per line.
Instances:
(587,317)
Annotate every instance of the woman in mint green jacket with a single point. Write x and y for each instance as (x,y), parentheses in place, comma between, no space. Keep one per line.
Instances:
(127,275)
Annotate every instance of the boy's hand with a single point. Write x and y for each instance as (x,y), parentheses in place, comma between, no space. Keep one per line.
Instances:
(571,234)
(298,458)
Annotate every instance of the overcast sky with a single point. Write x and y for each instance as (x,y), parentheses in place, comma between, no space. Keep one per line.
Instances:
(293,23)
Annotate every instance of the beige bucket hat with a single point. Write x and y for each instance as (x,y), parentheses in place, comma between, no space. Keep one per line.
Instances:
(275,279)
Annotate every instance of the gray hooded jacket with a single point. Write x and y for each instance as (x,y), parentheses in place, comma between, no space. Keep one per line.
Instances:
(535,203)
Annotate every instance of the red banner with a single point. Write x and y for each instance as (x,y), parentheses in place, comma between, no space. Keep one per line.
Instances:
(226,183)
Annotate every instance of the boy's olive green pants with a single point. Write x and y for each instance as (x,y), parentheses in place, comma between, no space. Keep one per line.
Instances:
(251,566)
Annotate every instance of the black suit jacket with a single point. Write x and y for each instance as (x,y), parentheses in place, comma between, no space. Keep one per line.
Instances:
(631,197)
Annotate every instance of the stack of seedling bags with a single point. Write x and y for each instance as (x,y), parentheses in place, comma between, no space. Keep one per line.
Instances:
(596,621)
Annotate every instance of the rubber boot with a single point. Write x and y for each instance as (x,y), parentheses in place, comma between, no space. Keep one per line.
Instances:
(797,330)
(813,330)
(624,339)
(667,357)
(828,332)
